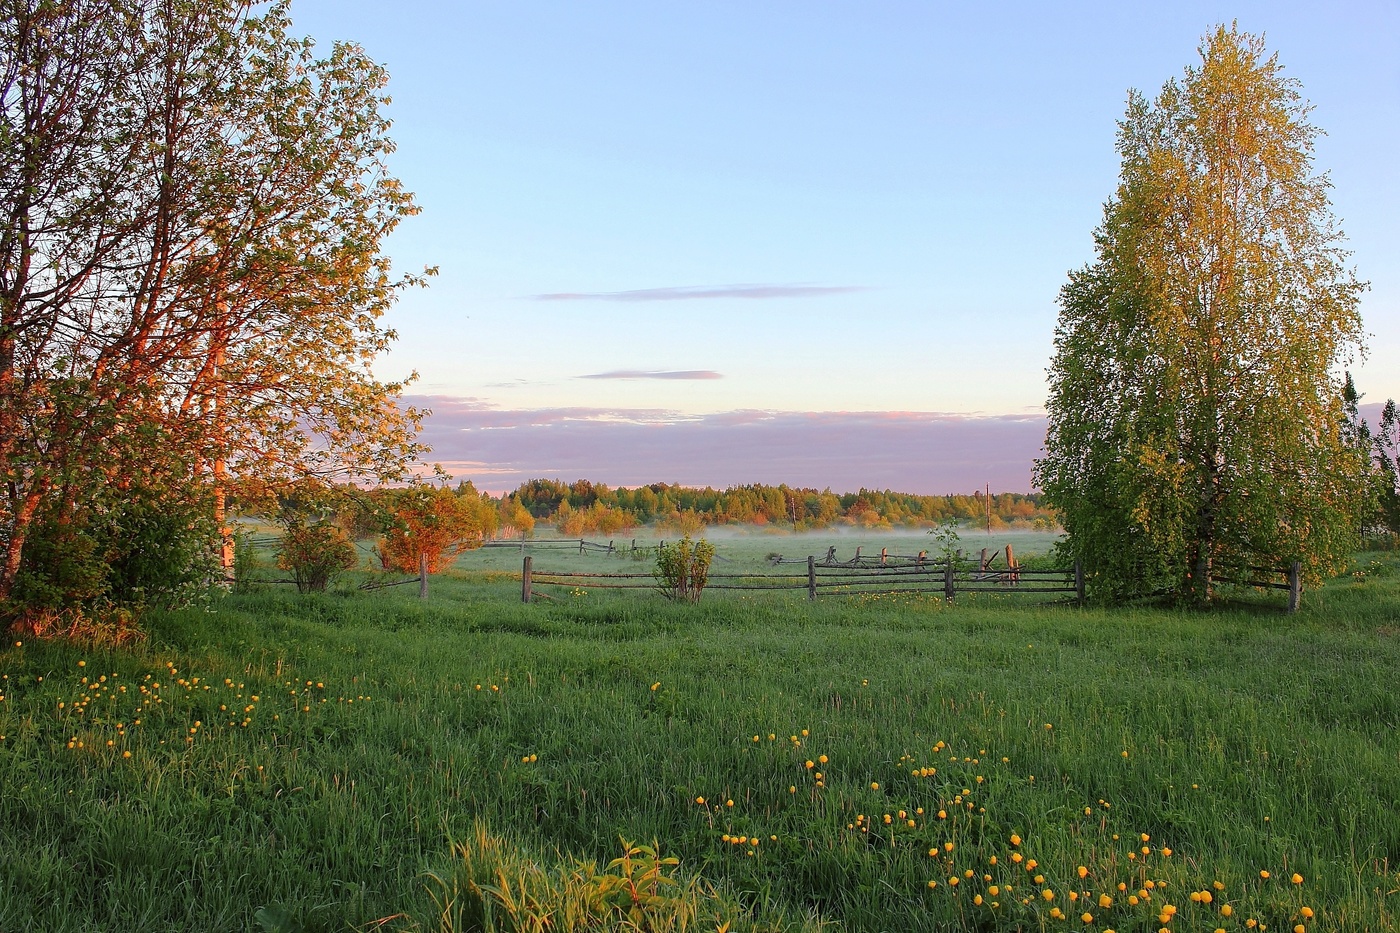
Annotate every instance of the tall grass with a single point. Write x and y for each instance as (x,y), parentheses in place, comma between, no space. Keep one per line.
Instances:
(316,757)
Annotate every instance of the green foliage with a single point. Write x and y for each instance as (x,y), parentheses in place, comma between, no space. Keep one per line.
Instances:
(683,568)
(131,546)
(947,541)
(586,507)
(493,887)
(246,562)
(1197,424)
(315,554)
(1387,468)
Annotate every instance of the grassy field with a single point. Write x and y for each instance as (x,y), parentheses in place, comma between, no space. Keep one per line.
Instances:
(348,761)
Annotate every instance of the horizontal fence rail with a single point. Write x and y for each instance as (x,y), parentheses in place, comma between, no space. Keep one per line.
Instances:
(822,579)
(1292,581)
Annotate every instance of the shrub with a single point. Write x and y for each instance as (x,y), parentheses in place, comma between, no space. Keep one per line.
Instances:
(434,522)
(683,568)
(315,554)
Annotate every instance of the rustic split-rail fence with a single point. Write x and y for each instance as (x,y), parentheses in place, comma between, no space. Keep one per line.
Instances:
(828,576)
(880,574)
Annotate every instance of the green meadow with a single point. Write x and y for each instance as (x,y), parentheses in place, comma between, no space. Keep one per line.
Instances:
(366,760)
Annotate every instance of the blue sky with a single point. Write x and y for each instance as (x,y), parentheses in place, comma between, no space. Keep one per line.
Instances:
(663,214)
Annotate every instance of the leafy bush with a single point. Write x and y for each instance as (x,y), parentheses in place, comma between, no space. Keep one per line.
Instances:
(316,554)
(434,522)
(131,546)
(683,568)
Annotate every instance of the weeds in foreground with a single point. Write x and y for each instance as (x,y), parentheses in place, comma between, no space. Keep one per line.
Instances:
(493,888)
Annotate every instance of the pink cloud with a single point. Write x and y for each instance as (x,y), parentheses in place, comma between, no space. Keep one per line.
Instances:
(919,452)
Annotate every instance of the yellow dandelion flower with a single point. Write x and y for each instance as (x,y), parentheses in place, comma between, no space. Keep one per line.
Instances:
(1297,879)
(1306,912)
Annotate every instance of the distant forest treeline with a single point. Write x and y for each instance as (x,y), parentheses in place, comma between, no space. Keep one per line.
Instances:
(585,507)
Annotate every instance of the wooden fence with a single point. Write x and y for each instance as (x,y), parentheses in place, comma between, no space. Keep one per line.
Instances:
(582,545)
(944,578)
(1292,582)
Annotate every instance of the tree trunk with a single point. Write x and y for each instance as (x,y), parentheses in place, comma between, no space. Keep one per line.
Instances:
(1198,587)
(19,532)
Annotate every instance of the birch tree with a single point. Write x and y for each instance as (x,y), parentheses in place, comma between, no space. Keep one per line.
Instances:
(1196,422)
(191,268)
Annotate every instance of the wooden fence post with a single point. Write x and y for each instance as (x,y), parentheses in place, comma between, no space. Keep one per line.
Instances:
(884,552)
(580,545)
(1079,582)
(811,577)
(1295,586)
(948,580)
(525,581)
(423,575)
(1014,577)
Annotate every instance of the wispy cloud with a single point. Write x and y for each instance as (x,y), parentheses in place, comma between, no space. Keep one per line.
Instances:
(655,374)
(922,452)
(692,292)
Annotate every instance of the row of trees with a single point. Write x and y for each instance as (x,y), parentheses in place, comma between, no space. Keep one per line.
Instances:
(584,506)
(1200,419)
(191,284)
